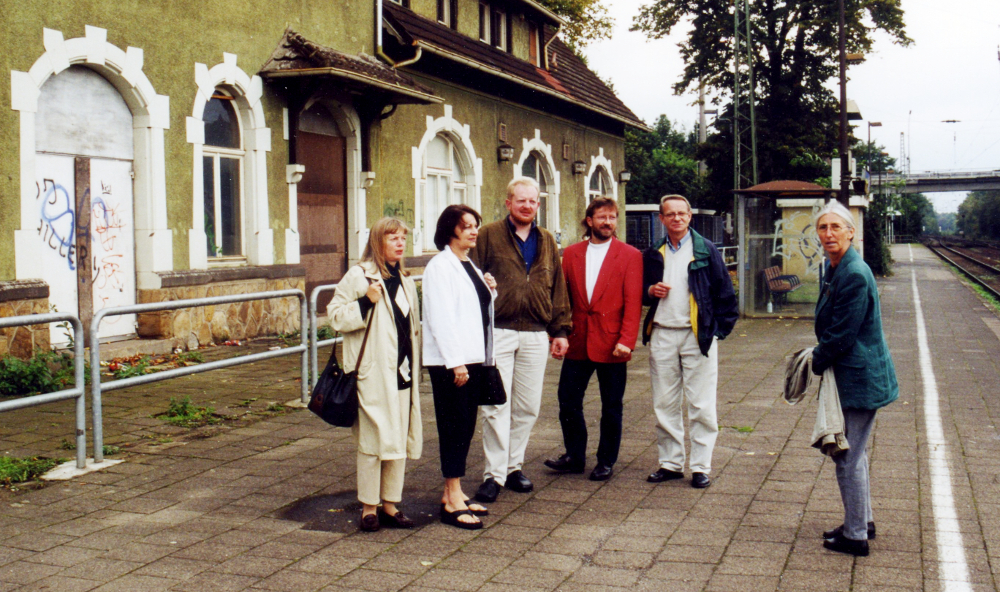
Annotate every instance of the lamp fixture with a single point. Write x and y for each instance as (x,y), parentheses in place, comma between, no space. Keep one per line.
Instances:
(625,176)
(579,167)
(505,152)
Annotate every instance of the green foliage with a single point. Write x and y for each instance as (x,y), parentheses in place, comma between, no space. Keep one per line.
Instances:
(586,21)
(979,215)
(18,470)
(918,216)
(130,370)
(946,222)
(877,253)
(45,372)
(663,161)
(326,331)
(795,55)
(881,162)
(185,414)
(191,357)
(110,450)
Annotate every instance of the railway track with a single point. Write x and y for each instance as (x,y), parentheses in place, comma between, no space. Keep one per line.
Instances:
(980,271)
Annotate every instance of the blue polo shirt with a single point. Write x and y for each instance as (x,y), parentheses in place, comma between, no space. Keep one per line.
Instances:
(529,248)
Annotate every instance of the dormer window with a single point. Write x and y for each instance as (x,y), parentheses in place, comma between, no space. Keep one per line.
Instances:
(493,27)
(446,12)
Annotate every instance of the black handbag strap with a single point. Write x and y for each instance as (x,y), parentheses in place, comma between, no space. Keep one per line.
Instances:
(368,327)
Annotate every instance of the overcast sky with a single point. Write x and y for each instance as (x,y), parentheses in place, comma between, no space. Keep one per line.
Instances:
(951,71)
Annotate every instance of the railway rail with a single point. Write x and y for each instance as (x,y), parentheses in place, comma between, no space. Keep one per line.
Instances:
(983,272)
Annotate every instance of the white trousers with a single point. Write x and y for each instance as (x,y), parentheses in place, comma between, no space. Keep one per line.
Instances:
(681,373)
(380,480)
(521,358)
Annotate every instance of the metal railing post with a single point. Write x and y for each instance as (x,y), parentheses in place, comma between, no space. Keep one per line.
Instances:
(97,414)
(78,391)
(305,330)
(79,375)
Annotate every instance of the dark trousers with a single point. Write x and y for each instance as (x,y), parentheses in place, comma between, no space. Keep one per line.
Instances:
(573,382)
(455,409)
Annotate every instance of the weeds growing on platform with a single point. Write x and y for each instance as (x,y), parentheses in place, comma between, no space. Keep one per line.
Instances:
(45,372)
(185,414)
(18,470)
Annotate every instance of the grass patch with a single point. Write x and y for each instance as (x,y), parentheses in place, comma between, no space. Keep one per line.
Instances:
(990,299)
(275,407)
(110,450)
(185,414)
(740,429)
(19,470)
(45,372)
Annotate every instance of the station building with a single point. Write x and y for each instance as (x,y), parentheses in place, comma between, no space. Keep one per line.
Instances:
(159,151)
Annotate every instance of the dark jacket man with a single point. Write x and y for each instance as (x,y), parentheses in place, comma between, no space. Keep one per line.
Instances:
(713,299)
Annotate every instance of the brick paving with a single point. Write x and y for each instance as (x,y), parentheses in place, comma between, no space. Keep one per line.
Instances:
(269,504)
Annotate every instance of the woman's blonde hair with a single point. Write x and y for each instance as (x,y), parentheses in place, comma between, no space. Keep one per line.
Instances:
(375,249)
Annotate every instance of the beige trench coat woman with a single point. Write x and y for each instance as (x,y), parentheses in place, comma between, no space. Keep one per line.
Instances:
(388,425)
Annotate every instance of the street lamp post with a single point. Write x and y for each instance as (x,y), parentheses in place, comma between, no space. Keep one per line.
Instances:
(845,181)
(871,124)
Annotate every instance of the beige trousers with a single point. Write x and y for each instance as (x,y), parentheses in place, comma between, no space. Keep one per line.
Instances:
(380,480)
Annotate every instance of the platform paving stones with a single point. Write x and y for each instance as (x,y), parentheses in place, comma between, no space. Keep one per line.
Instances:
(267,502)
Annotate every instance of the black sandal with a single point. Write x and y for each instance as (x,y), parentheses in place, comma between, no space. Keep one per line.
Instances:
(484,512)
(452,519)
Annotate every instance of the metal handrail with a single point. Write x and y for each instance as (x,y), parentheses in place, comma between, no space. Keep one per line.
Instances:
(314,343)
(95,354)
(78,390)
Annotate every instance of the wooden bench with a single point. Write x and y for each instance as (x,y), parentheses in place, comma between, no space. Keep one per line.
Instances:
(781,285)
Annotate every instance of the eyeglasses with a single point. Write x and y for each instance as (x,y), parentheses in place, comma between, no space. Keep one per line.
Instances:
(673,215)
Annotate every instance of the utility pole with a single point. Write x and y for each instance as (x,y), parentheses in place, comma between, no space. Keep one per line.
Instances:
(845,179)
(744,119)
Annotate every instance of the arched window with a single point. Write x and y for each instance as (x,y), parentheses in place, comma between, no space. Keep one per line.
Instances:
(533,168)
(222,170)
(443,184)
(600,184)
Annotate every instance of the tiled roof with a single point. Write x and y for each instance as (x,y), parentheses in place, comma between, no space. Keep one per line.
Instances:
(297,56)
(568,77)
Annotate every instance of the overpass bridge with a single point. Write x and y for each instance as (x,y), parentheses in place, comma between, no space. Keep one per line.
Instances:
(938,182)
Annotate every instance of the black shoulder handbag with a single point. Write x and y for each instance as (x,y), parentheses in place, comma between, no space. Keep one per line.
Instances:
(335,396)
(490,385)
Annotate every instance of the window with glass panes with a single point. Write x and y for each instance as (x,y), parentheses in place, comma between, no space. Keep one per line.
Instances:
(533,168)
(223,164)
(444,184)
(600,184)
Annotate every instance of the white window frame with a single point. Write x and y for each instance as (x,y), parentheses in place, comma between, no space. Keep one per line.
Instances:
(485,22)
(472,166)
(457,191)
(601,162)
(445,12)
(218,153)
(500,16)
(258,237)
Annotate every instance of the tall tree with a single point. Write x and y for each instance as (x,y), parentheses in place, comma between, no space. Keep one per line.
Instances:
(586,20)
(979,215)
(795,55)
(662,161)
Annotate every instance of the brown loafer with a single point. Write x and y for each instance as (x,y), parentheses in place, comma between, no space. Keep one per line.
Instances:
(369,523)
(397,520)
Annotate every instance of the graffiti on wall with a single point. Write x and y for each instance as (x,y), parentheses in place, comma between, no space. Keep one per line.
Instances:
(794,238)
(57,220)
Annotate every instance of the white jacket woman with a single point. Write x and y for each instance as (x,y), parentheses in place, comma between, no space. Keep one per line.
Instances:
(451,304)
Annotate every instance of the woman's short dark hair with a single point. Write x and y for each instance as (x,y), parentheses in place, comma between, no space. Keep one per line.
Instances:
(450,218)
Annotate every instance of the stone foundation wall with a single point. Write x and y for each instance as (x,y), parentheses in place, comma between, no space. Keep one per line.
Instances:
(24,297)
(192,327)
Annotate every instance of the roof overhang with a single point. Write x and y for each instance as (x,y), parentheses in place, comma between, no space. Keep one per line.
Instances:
(440,51)
(298,58)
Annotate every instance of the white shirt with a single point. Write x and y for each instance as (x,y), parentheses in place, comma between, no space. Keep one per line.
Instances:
(595,258)
(674,311)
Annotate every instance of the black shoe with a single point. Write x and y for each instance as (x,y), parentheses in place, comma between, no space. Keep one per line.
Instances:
(829,534)
(700,480)
(369,522)
(488,491)
(565,464)
(662,475)
(601,472)
(842,544)
(516,481)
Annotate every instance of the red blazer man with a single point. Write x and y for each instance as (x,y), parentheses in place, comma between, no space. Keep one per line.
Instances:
(612,316)
(604,280)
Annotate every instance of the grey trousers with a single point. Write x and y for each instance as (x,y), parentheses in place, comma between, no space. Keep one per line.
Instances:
(852,473)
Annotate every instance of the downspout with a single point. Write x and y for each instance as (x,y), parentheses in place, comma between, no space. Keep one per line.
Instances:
(545,50)
(378,42)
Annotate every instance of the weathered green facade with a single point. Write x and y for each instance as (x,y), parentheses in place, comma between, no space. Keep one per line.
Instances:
(188,49)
